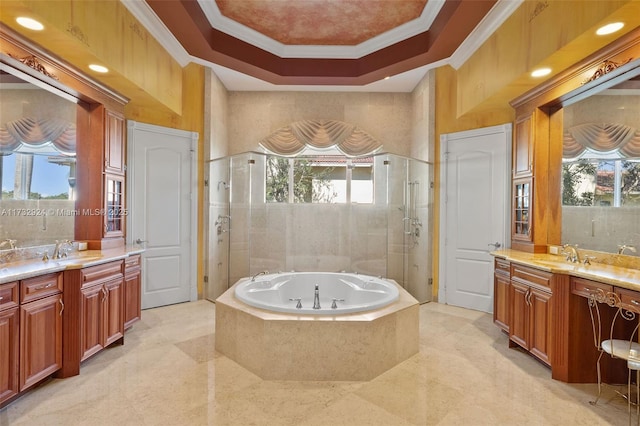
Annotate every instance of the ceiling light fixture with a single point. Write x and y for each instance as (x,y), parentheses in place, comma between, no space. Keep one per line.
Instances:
(29,23)
(99,68)
(610,28)
(541,72)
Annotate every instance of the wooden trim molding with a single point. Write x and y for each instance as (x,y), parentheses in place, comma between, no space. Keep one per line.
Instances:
(616,62)
(51,71)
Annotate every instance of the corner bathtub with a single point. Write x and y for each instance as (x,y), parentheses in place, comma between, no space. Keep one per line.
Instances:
(355,292)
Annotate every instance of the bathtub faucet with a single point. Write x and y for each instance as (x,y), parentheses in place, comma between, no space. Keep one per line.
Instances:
(253,278)
(316,298)
(624,247)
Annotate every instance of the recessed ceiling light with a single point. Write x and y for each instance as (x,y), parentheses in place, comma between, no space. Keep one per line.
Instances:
(541,72)
(29,23)
(610,28)
(387,77)
(98,68)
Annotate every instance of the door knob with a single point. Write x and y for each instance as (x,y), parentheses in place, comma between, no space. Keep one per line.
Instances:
(139,241)
(496,245)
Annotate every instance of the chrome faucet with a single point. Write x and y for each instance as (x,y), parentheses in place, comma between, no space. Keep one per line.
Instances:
(572,253)
(624,247)
(10,242)
(253,278)
(316,298)
(58,251)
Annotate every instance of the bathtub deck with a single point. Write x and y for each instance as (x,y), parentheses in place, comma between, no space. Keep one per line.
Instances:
(353,347)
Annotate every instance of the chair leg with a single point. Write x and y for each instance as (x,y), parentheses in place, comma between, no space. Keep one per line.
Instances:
(638,397)
(599,380)
(629,396)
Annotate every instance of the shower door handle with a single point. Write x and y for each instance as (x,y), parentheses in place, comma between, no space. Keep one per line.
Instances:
(495,245)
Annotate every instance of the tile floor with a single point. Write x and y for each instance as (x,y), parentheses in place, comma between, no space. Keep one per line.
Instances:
(168,373)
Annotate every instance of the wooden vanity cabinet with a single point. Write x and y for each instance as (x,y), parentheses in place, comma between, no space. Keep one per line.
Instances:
(530,311)
(30,332)
(523,147)
(102,312)
(9,340)
(41,310)
(132,290)
(501,286)
(114,208)
(114,146)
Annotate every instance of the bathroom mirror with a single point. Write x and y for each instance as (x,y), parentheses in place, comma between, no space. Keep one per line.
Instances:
(601,170)
(37,163)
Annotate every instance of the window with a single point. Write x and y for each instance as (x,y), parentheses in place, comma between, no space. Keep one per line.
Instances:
(593,182)
(321,178)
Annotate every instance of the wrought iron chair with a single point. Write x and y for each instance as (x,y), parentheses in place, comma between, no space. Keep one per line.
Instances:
(627,349)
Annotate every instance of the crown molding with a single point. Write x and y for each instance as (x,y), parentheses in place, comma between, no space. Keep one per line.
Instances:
(489,24)
(143,13)
(248,35)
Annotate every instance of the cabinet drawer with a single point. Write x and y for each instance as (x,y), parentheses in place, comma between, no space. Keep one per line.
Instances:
(38,287)
(9,295)
(132,262)
(502,267)
(105,272)
(530,276)
(629,297)
(584,288)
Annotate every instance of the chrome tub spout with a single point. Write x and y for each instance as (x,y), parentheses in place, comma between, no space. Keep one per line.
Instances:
(253,278)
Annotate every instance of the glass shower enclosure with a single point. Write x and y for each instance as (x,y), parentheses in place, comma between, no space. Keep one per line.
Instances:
(376,220)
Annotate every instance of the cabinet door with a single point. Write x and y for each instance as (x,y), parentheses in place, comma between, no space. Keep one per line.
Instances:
(539,324)
(40,339)
(523,147)
(501,301)
(9,345)
(114,143)
(519,314)
(114,214)
(113,311)
(132,300)
(521,225)
(92,329)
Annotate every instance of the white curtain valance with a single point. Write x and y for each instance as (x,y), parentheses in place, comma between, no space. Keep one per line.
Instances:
(601,138)
(294,138)
(35,132)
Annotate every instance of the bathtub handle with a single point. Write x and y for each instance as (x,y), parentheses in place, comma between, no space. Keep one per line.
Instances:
(334,305)
(299,300)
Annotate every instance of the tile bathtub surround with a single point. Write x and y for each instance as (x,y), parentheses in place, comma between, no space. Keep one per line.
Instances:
(277,346)
(169,373)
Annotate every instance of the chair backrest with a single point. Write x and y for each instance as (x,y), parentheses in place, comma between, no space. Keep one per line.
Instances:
(623,311)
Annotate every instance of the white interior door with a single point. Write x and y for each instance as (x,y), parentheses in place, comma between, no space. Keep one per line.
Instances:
(162,207)
(473,214)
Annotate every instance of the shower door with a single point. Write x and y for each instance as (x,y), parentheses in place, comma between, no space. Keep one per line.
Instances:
(409,223)
(219,226)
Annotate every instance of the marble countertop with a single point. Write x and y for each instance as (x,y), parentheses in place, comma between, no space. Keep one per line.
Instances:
(619,276)
(29,268)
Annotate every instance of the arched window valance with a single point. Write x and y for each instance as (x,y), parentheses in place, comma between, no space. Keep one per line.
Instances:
(32,133)
(601,138)
(294,138)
